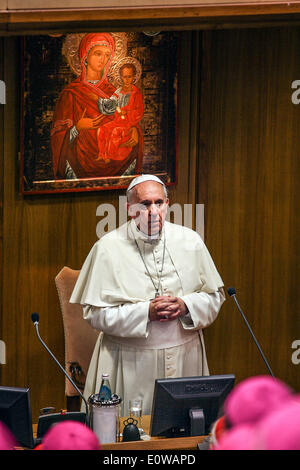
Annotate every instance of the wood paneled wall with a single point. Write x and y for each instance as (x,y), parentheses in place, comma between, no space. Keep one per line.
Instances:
(238,154)
(31,16)
(250,139)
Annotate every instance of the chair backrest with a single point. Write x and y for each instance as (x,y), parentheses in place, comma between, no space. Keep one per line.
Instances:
(80,337)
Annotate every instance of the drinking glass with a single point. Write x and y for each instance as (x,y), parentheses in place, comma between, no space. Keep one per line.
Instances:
(136,412)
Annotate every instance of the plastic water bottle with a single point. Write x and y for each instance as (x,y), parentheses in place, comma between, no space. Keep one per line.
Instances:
(105,390)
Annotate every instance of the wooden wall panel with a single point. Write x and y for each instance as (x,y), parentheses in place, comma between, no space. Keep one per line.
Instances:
(20,17)
(250,139)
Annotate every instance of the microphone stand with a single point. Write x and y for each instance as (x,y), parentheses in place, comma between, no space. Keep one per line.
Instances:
(231,292)
(36,323)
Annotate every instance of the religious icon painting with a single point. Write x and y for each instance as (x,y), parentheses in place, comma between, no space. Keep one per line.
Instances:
(98,109)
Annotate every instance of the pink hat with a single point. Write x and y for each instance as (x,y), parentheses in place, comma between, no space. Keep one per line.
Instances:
(70,435)
(281,429)
(239,438)
(254,398)
(7,440)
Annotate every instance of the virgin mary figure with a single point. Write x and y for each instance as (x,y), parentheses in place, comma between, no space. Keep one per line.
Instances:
(76,121)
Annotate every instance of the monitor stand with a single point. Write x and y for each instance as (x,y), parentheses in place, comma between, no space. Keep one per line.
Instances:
(197,421)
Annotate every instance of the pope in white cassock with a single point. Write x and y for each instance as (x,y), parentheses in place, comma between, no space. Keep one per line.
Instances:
(150,287)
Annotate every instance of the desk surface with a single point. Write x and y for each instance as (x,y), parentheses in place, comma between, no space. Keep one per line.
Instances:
(156,443)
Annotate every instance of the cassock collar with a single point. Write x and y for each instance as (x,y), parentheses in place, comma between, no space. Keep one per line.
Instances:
(134,232)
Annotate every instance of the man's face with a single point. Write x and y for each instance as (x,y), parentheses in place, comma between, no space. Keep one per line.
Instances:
(148,207)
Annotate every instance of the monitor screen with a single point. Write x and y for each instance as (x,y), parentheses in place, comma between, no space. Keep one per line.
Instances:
(15,412)
(188,406)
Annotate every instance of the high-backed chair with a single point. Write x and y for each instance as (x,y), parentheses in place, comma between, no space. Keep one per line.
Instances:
(80,337)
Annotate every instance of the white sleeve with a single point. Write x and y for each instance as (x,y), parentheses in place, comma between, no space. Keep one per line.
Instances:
(127,320)
(73,133)
(203,309)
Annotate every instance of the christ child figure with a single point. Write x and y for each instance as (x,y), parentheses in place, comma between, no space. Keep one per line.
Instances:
(115,138)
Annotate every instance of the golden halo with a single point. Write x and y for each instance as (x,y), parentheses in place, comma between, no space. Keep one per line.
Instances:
(70,49)
(114,72)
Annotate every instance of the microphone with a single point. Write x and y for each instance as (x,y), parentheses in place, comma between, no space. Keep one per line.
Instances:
(35,320)
(232,293)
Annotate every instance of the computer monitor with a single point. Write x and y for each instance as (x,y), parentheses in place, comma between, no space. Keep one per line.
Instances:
(187,406)
(15,413)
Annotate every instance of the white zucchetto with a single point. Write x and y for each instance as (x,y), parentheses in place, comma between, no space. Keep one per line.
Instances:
(142,179)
